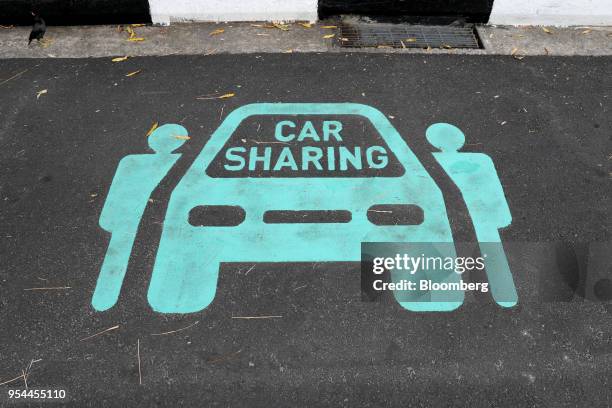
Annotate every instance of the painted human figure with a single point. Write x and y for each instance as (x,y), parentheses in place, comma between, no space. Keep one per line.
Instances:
(476,177)
(134,181)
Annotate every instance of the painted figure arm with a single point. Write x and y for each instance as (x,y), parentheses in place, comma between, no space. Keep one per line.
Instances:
(114,205)
(504,217)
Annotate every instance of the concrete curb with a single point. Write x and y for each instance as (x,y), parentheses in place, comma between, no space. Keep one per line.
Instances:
(239,38)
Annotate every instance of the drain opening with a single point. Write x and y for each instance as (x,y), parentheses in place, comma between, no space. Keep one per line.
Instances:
(377,35)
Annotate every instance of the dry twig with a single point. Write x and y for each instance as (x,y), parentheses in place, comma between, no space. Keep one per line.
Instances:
(51,288)
(176,331)
(139,371)
(99,333)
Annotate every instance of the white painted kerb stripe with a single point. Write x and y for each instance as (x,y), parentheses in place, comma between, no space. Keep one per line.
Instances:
(166,11)
(552,12)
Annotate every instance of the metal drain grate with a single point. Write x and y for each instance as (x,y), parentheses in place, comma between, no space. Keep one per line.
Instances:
(377,35)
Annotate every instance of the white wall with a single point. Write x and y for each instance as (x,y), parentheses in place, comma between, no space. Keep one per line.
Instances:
(552,12)
(166,11)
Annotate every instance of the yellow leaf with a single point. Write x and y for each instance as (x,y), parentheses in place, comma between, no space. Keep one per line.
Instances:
(329,36)
(152,129)
(131,74)
(136,39)
(137,25)
(306,25)
(410,39)
(329,27)
(40,93)
(448,47)
(257,25)
(217,32)
(547,30)
(515,54)
(283,27)
(587,31)
(181,137)
(120,59)
(215,96)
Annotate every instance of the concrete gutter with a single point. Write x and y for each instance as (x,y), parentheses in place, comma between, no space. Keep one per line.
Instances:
(239,38)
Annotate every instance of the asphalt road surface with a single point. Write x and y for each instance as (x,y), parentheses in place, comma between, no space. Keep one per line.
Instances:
(65,125)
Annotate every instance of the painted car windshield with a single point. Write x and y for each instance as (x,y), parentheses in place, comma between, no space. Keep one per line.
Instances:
(305,146)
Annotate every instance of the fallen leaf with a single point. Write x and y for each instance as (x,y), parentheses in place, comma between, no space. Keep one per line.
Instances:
(306,25)
(289,51)
(410,39)
(120,59)
(137,25)
(8,27)
(130,31)
(257,25)
(40,93)
(131,74)
(329,36)
(547,30)
(515,54)
(136,39)
(214,96)
(152,129)
(587,31)
(328,27)
(446,46)
(280,26)
(217,32)
(181,137)
(546,51)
